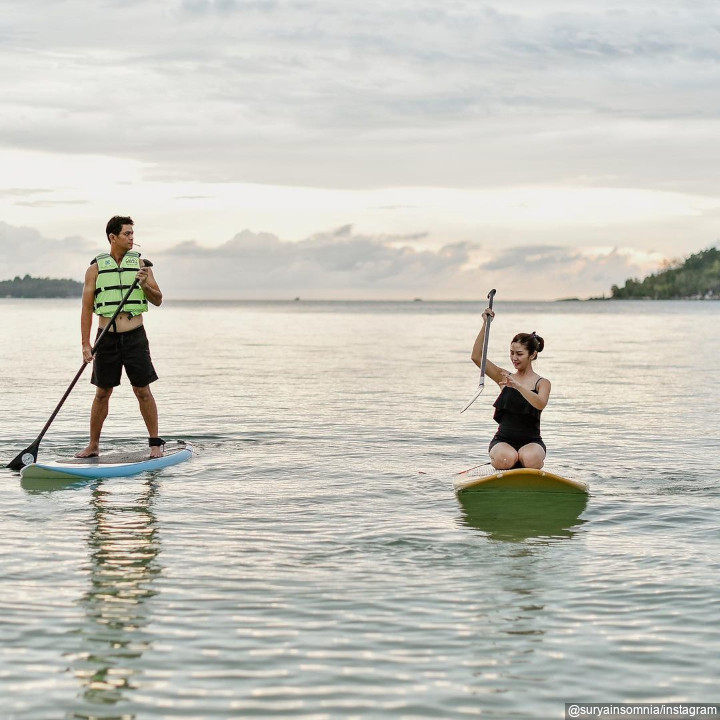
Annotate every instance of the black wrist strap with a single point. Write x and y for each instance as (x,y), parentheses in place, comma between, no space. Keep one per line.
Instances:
(155,442)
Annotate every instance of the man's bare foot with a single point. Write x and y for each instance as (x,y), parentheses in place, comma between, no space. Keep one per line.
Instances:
(90,451)
(157,445)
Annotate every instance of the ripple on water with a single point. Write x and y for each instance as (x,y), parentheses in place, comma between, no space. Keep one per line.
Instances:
(302,567)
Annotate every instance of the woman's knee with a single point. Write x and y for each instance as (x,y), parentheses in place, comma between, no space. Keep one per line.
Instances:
(532,456)
(503,456)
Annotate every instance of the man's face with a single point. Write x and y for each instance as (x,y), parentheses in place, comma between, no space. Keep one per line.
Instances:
(125,238)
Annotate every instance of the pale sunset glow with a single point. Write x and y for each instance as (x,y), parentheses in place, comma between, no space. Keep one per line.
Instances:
(398,131)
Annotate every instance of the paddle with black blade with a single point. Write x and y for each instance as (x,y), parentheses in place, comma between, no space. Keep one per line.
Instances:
(30,453)
(483,362)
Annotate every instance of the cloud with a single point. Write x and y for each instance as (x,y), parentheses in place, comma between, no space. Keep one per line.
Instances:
(24,250)
(205,7)
(337,264)
(49,203)
(23,192)
(368,94)
(580,272)
(343,264)
(541,257)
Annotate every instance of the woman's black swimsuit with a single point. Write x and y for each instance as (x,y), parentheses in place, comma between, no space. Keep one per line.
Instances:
(518,420)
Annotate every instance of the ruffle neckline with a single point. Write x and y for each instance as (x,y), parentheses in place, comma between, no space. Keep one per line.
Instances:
(511,400)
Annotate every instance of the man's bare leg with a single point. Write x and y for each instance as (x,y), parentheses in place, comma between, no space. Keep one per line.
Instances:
(149,411)
(98,413)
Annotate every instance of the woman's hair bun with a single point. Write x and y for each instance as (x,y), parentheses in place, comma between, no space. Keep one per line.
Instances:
(540,341)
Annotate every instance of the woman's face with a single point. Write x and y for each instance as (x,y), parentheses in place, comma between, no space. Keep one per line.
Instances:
(519,356)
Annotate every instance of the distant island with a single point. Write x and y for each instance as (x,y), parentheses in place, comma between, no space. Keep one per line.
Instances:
(30,287)
(696,278)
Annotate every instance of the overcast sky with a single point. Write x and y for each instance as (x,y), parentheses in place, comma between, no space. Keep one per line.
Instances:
(362,149)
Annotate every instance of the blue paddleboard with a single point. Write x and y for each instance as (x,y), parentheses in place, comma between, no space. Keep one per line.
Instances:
(119,464)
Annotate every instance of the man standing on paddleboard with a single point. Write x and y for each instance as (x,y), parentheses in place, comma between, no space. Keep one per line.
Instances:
(125,344)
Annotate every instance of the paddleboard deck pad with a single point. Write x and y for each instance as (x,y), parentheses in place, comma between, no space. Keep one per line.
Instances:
(117,464)
(487,477)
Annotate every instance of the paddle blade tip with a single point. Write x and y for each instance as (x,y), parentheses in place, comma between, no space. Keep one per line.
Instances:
(23,459)
(475,397)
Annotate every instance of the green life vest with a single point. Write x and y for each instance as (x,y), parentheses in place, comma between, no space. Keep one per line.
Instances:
(114,280)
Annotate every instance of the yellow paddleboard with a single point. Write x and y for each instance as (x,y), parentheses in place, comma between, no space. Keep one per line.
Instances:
(487,477)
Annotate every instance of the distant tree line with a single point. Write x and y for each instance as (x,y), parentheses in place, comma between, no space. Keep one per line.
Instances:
(30,287)
(696,277)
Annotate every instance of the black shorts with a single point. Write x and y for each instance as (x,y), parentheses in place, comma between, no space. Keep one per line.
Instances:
(515,442)
(129,350)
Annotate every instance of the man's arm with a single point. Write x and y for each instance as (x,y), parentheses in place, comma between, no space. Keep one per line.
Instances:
(149,285)
(86,314)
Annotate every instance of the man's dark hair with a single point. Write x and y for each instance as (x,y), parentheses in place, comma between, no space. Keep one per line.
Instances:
(115,224)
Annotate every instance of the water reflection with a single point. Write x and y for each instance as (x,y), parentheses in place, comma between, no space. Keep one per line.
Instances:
(124,548)
(44,485)
(519,516)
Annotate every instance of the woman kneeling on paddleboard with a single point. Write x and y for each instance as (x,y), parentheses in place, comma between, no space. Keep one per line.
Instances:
(523,397)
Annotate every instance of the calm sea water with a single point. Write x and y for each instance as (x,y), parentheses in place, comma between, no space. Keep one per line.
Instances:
(313,560)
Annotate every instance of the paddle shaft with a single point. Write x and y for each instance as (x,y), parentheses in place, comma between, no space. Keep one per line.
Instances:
(483,359)
(18,463)
(483,362)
